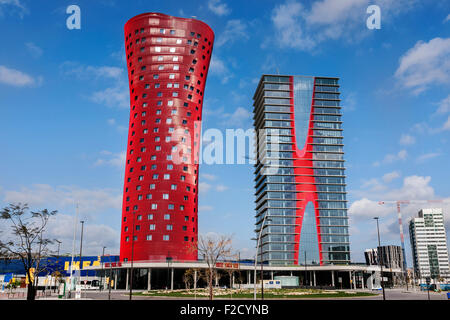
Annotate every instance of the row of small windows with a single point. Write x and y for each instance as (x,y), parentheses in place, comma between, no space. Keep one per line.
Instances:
(152,227)
(166,217)
(154,206)
(153,187)
(165,196)
(149,238)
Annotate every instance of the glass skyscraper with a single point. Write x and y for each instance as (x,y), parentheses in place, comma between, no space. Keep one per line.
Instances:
(299,172)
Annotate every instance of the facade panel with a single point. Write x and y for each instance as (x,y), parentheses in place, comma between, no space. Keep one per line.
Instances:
(168,60)
(300,179)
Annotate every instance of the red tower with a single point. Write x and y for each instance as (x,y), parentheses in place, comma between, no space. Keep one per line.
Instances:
(168,60)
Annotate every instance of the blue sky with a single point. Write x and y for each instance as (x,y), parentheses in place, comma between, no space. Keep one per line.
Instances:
(64,106)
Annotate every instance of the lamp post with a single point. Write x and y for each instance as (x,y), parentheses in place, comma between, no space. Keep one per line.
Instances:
(110,278)
(168,259)
(81,250)
(57,257)
(132,258)
(101,274)
(256,259)
(380,258)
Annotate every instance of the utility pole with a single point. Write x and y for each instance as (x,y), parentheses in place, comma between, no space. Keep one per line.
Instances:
(101,275)
(81,250)
(380,259)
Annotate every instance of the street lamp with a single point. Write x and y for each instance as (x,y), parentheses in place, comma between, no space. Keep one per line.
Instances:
(380,258)
(57,257)
(256,259)
(132,258)
(81,250)
(101,274)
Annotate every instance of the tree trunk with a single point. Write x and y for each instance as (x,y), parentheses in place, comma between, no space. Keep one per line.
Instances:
(30,292)
(210,285)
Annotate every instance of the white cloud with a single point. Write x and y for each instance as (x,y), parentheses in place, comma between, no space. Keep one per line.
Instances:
(60,198)
(388,177)
(447,18)
(95,235)
(17,78)
(117,96)
(407,140)
(208,176)
(444,105)
(447,124)
(425,64)
(35,51)
(428,156)
(203,187)
(12,6)
(305,28)
(235,30)
(84,72)
(219,8)
(221,188)
(238,118)
(390,158)
(218,68)
(202,209)
(114,159)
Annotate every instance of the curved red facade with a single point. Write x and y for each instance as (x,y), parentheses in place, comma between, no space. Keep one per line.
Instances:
(168,60)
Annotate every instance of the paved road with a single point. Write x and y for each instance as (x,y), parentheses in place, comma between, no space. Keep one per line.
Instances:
(391,294)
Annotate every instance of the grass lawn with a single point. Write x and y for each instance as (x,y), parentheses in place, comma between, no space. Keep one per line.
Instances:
(248,294)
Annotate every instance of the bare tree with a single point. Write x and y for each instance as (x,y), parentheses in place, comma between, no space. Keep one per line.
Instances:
(213,249)
(26,241)
(188,278)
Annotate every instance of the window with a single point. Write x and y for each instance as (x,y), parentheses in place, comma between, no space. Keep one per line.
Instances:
(156,85)
(182,208)
(150,216)
(138,228)
(158,148)
(152,227)
(175,58)
(141,178)
(149,237)
(165,196)
(186,238)
(183,178)
(155,76)
(176,67)
(161,67)
(154,206)
(168,138)
(186,218)
(167,216)
(152,186)
(172,49)
(148,196)
(169,120)
(135,238)
(178,41)
(173,187)
(171,76)
(169,227)
(169,166)
(173,112)
(162,31)
(170,103)
(171,207)
(155,176)
(140,197)
(166,238)
(157,49)
(166,176)
(127,239)
(160,58)
(126,229)
(172,31)
(159,40)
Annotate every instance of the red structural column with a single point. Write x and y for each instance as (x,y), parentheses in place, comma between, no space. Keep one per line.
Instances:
(167,60)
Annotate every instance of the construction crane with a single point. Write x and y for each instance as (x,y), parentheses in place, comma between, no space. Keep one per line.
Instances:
(399,203)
